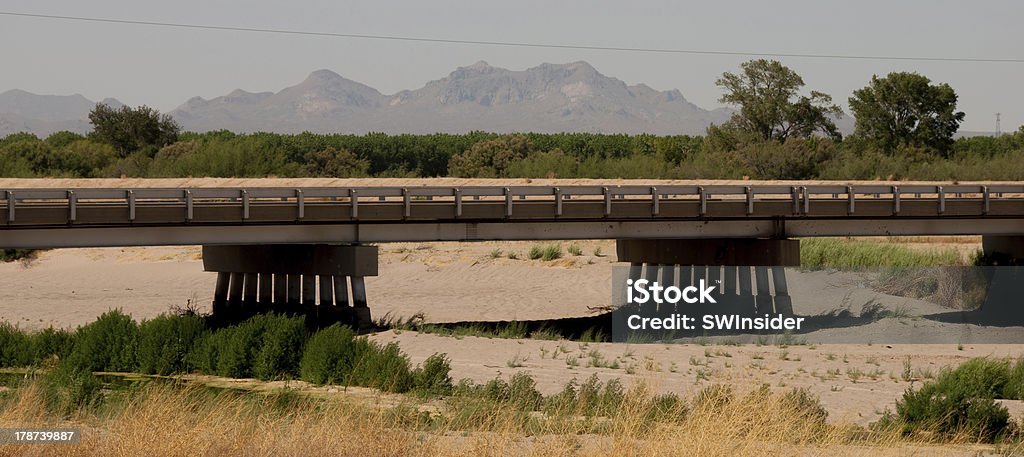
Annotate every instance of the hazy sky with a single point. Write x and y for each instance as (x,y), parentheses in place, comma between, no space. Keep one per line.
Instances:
(163,67)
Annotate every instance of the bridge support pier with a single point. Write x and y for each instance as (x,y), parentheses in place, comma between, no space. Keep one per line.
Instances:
(1003,250)
(308,279)
(748,274)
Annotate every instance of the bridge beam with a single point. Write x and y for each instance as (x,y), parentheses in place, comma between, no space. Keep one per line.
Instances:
(245,284)
(1003,250)
(723,252)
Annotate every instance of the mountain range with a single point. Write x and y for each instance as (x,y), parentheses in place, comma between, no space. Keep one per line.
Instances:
(572,97)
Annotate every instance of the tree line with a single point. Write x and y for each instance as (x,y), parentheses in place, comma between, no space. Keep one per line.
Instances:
(905,129)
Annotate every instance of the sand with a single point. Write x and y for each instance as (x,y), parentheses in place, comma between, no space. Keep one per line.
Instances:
(462,281)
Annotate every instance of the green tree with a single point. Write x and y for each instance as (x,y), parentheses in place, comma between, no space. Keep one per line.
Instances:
(906,109)
(767,94)
(132,129)
(334,163)
(490,158)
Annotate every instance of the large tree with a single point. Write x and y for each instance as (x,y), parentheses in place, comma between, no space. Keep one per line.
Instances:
(132,129)
(770,104)
(906,109)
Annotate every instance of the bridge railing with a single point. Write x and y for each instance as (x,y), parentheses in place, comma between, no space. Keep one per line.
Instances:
(802,197)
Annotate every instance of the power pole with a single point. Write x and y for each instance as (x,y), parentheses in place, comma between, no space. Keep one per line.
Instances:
(998,130)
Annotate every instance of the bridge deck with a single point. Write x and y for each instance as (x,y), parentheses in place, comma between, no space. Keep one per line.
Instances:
(142,216)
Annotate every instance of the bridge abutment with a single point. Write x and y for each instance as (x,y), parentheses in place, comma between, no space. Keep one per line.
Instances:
(748,274)
(1003,250)
(312,279)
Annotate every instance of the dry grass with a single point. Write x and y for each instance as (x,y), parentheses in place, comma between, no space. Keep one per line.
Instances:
(171,420)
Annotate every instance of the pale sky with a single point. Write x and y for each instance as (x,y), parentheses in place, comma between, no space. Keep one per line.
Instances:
(163,67)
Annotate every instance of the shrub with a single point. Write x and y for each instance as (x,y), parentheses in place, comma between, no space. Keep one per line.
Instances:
(265,345)
(15,347)
(69,388)
(281,350)
(805,404)
(51,342)
(10,255)
(433,379)
(552,252)
(959,401)
(330,356)
(384,368)
(108,344)
(535,252)
(520,392)
(204,354)
(575,250)
(166,341)
(592,398)
(1014,388)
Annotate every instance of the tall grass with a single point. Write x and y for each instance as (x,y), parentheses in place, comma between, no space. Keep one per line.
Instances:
(166,419)
(818,253)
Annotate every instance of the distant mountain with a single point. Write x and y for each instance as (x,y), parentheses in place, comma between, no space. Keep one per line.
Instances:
(571,97)
(22,111)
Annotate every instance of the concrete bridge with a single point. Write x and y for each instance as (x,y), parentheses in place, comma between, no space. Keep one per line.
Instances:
(287,247)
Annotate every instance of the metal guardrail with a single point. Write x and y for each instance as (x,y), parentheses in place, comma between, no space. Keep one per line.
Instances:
(802,197)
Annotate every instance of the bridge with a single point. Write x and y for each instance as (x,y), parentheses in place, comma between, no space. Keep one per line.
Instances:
(309,245)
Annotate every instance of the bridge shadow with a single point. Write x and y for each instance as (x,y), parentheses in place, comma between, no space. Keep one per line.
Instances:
(1002,306)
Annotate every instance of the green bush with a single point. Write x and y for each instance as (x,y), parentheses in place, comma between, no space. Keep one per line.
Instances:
(266,345)
(204,354)
(69,388)
(433,379)
(236,348)
(281,350)
(520,392)
(384,368)
(15,346)
(108,344)
(1014,388)
(535,252)
(10,255)
(592,398)
(805,404)
(331,354)
(575,250)
(166,341)
(51,342)
(959,401)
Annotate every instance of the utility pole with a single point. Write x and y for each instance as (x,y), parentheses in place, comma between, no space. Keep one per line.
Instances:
(998,129)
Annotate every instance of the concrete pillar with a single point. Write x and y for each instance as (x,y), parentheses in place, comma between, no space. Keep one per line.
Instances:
(286,277)
(235,290)
(280,291)
(220,293)
(341,291)
(326,290)
(308,290)
(294,289)
(249,291)
(783,302)
(360,310)
(1003,250)
(748,274)
(266,285)
(358,292)
(763,300)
